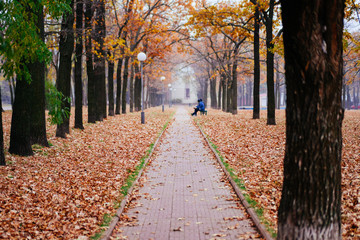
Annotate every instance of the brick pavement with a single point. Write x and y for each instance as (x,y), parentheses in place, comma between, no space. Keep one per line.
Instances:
(183,193)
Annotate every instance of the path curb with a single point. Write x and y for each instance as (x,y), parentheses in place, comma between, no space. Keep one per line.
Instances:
(107,234)
(247,206)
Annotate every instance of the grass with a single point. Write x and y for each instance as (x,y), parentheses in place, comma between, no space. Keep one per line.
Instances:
(128,184)
(240,183)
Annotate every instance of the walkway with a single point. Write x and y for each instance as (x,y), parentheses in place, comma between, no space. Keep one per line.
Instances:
(184,193)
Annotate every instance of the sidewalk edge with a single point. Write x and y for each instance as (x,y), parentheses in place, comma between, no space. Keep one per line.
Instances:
(247,206)
(107,234)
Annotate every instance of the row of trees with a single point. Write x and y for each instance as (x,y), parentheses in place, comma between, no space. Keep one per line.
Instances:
(110,34)
(235,41)
(90,40)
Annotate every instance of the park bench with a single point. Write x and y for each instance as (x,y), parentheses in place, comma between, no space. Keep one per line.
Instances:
(203,112)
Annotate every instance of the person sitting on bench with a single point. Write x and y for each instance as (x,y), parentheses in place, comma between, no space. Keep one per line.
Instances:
(200,107)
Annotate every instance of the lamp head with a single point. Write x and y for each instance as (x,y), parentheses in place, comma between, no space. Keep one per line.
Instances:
(141,56)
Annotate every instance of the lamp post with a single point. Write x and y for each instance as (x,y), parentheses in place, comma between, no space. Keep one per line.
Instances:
(169,85)
(162,96)
(142,57)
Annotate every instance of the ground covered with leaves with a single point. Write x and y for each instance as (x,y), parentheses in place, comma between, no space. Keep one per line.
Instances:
(255,152)
(64,191)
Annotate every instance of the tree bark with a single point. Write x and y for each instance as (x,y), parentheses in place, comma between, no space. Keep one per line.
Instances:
(270,66)
(118,86)
(66,48)
(220,97)
(137,88)
(92,103)
(12,87)
(37,89)
(78,65)
(99,61)
(111,66)
(20,122)
(224,90)
(213,99)
(256,94)
(2,155)
(310,206)
(234,87)
(131,87)
(125,81)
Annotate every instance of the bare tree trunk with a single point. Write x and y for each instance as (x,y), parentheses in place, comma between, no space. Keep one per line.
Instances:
(220,97)
(234,87)
(91,95)
(270,67)
(125,81)
(37,88)
(63,83)
(78,65)
(310,206)
(118,86)
(131,87)
(99,61)
(137,88)
(111,66)
(213,99)
(256,94)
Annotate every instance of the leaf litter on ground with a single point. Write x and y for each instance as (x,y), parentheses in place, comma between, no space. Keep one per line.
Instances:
(65,191)
(255,152)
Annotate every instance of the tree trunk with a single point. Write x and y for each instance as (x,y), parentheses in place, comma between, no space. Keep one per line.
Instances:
(220,97)
(131,87)
(2,155)
(213,99)
(205,92)
(234,87)
(310,206)
(78,65)
(229,92)
(125,81)
(20,122)
(99,61)
(270,67)
(37,89)
(348,97)
(66,48)
(92,102)
(118,86)
(256,94)
(137,88)
(12,87)
(224,90)
(111,86)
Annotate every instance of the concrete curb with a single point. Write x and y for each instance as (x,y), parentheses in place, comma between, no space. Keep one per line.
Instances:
(247,206)
(107,234)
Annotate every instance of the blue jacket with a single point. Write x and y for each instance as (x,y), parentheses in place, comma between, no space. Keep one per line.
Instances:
(201,106)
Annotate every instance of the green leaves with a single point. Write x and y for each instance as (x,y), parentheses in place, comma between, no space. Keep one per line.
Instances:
(20,40)
(55,102)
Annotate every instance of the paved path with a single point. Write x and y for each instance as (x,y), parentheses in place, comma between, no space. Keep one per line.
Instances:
(184,194)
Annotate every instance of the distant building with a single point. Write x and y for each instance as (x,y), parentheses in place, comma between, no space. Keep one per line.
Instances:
(184,91)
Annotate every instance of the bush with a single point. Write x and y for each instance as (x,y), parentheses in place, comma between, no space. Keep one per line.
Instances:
(55,103)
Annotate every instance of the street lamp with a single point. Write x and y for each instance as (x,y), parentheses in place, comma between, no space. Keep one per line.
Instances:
(142,57)
(169,85)
(162,95)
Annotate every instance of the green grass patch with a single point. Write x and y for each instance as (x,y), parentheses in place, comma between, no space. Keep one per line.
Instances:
(240,183)
(105,223)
